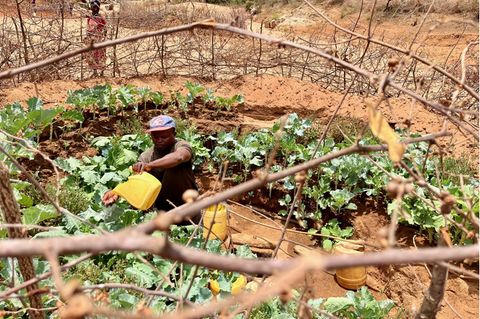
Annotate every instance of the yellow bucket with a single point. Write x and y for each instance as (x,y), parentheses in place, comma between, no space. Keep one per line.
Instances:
(140,190)
(354,277)
(219,228)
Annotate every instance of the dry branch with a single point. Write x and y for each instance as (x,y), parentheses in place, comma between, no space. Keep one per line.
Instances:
(470,90)
(133,240)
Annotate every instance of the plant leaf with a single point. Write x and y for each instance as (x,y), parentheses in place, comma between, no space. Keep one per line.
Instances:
(73,115)
(327,244)
(110,176)
(38,213)
(34,103)
(90,177)
(334,304)
(141,274)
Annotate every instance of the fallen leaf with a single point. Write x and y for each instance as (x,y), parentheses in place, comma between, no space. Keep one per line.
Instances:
(386,134)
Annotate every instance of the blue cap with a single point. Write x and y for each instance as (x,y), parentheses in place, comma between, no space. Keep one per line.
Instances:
(161,123)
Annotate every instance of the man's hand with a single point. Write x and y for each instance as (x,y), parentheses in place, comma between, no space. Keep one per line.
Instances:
(140,167)
(109,198)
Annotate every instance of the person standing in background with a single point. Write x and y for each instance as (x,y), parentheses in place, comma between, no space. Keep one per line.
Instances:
(34,8)
(96,32)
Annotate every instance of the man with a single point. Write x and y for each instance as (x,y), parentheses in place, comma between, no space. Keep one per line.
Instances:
(169,160)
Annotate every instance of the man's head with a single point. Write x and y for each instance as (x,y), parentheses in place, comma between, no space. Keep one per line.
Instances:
(162,131)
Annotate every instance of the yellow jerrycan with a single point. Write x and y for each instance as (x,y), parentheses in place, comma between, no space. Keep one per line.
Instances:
(219,228)
(236,288)
(238,285)
(353,277)
(140,190)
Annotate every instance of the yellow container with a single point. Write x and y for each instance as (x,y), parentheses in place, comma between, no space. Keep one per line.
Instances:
(214,287)
(140,190)
(238,285)
(350,278)
(236,288)
(219,228)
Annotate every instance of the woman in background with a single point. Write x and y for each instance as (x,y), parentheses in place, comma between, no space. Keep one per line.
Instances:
(96,32)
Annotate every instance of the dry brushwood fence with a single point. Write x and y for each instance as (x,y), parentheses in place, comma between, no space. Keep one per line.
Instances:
(218,54)
(51,47)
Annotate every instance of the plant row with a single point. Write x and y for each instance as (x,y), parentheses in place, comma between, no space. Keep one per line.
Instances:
(333,189)
(114,100)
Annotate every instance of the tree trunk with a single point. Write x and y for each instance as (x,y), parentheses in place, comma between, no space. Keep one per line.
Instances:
(11,213)
(434,296)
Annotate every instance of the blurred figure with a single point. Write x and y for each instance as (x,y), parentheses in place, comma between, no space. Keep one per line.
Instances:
(96,32)
(34,8)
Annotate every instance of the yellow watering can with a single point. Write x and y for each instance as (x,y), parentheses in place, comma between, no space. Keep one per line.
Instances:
(140,190)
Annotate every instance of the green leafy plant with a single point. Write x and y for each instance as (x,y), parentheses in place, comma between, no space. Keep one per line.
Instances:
(144,93)
(179,101)
(332,228)
(227,103)
(208,97)
(82,99)
(32,121)
(126,95)
(194,91)
(97,98)
(360,304)
(98,173)
(106,98)
(71,197)
(157,98)
(201,153)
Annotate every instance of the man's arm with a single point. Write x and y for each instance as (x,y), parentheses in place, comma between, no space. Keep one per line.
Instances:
(181,155)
